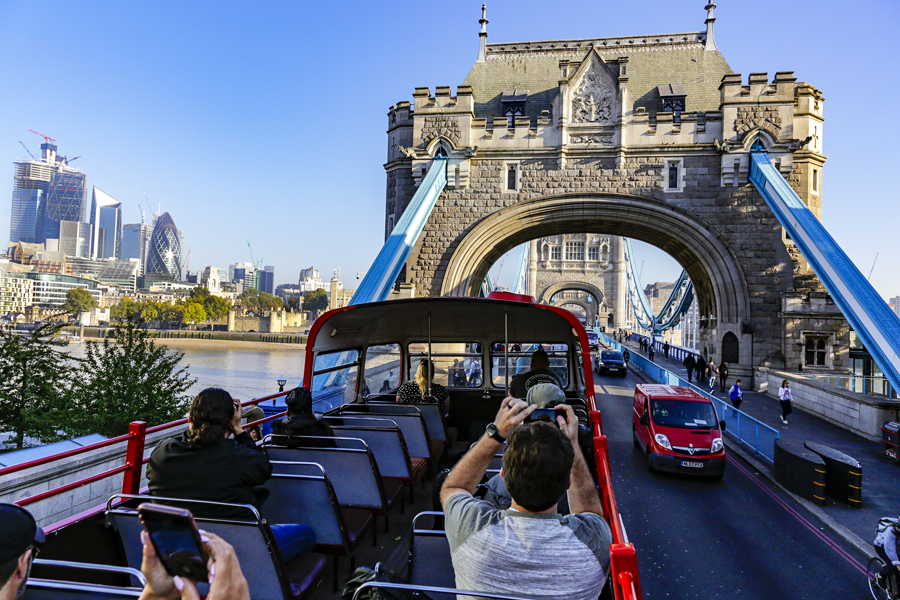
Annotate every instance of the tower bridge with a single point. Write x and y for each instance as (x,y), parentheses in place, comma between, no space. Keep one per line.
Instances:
(647,137)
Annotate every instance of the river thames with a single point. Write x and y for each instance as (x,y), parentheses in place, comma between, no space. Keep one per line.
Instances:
(246,369)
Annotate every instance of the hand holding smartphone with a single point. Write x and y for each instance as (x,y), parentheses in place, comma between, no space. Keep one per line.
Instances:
(174,535)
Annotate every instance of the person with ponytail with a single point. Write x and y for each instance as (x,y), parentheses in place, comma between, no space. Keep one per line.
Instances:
(417,390)
(215,459)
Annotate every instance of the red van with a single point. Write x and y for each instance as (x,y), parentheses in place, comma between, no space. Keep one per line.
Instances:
(679,430)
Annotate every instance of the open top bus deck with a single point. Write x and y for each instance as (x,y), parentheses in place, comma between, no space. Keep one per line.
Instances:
(356,357)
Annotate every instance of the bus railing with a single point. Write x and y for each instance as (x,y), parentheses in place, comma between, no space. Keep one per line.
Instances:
(134,457)
(740,426)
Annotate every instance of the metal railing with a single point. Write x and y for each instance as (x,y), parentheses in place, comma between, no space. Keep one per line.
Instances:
(134,458)
(740,426)
(869,386)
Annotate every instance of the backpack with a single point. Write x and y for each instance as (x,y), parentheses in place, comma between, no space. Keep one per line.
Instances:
(382,574)
(884,523)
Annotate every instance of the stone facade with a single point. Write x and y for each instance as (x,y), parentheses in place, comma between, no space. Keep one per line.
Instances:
(591,150)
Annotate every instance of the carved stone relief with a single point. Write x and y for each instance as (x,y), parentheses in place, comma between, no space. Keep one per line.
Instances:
(592,101)
(605,139)
(437,126)
(764,117)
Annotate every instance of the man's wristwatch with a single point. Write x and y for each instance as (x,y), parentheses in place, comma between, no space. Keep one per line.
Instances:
(494,433)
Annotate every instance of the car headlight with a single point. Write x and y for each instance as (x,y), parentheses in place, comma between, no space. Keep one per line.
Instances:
(663,441)
(717,445)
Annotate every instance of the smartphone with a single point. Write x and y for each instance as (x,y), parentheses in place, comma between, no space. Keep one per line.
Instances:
(174,534)
(545,414)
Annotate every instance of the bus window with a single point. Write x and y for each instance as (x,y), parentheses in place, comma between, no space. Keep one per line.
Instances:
(334,379)
(456,365)
(382,369)
(520,360)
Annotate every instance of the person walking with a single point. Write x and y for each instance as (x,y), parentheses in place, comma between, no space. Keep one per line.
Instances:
(626,354)
(711,372)
(736,393)
(689,363)
(650,352)
(723,376)
(666,350)
(784,396)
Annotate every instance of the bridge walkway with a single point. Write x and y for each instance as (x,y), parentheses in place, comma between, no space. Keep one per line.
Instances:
(880,475)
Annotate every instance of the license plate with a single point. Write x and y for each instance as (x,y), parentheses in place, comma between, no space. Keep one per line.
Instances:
(614,368)
(693,465)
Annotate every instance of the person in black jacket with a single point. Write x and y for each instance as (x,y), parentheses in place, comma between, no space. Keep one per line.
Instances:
(301,421)
(207,463)
(689,363)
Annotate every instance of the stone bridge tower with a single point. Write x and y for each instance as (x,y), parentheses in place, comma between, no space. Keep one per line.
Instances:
(646,137)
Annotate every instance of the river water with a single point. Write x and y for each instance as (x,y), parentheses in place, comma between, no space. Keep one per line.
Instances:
(247,370)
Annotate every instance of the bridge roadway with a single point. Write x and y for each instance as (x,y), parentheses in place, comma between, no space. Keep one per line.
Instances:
(734,538)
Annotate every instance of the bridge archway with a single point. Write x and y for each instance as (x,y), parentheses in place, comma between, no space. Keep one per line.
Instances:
(588,314)
(721,290)
(581,286)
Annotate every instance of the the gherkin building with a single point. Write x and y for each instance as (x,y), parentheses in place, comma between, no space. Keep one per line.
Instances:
(164,253)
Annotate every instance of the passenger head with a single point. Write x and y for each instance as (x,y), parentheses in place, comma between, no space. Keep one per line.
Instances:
(536,465)
(17,548)
(784,383)
(299,402)
(210,417)
(539,359)
(545,395)
(424,375)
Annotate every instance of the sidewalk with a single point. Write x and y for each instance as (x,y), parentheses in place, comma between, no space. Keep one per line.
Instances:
(881,476)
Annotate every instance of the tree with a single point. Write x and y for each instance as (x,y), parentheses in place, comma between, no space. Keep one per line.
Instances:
(315,300)
(216,307)
(269,302)
(249,298)
(79,300)
(127,378)
(200,293)
(292,303)
(35,377)
(173,314)
(125,310)
(192,312)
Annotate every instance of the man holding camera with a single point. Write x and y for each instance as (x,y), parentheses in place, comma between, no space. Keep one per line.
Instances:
(528,549)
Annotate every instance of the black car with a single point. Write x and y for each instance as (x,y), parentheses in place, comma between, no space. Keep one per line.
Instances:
(610,361)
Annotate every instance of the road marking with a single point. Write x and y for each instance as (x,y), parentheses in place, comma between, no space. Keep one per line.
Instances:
(843,553)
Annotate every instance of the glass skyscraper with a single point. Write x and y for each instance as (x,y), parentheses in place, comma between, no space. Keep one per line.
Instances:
(106,221)
(45,192)
(135,242)
(164,253)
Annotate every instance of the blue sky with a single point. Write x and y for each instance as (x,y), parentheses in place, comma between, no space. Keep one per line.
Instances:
(267,124)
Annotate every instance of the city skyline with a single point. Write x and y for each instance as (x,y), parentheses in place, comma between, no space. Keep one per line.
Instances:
(200,132)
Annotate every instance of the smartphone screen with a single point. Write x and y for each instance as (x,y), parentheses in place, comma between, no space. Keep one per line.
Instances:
(174,535)
(544,414)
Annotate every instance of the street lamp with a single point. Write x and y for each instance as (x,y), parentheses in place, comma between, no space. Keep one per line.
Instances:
(281,382)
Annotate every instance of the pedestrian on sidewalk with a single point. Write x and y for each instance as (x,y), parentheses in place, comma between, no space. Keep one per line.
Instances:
(736,393)
(650,352)
(723,376)
(711,372)
(689,363)
(626,354)
(700,369)
(666,350)
(784,396)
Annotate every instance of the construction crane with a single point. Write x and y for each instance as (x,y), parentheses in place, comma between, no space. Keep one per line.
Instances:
(47,138)
(27,150)
(256,266)
(187,262)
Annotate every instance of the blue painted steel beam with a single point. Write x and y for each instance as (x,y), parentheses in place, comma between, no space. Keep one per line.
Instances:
(636,282)
(522,273)
(380,278)
(869,315)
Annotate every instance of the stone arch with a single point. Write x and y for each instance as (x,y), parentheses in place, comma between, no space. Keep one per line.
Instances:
(581,286)
(719,284)
(440,142)
(589,313)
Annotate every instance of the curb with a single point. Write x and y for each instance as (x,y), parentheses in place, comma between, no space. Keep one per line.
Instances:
(832,524)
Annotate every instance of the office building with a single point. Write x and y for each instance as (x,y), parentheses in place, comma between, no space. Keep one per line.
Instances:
(120,273)
(45,192)
(231,269)
(164,253)
(106,223)
(75,239)
(16,291)
(310,280)
(266,282)
(50,289)
(135,242)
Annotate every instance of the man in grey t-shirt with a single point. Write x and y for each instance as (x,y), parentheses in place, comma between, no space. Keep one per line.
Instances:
(528,549)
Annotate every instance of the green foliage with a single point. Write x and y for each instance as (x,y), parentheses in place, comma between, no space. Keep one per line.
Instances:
(192,312)
(34,381)
(200,293)
(79,300)
(249,298)
(315,300)
(269,302)
(216,307)
(127,378)
(126,310)
(292,303)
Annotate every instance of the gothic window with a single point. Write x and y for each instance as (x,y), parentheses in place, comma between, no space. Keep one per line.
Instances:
(673,175)
(816,351)
(604,253)
(545,253)
(594,253)
(513,105)
(511,178)
(730,348)
(390,224)
(815,180)
(441,152)
(555,253)
(574,250)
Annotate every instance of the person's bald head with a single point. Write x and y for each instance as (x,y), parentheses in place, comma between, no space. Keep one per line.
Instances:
(539,359)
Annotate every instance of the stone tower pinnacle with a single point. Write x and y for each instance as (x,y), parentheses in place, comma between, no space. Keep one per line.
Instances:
(710,21)
(482,46)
